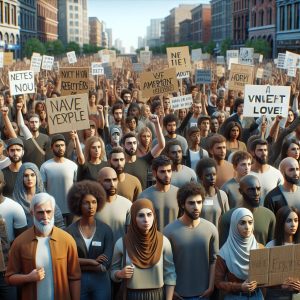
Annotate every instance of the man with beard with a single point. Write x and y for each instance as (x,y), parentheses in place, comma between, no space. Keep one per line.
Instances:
(58,174)
(287,193)
(43,260)
(15,151)
(194,244)
(128,186)
(162,193)
(181,174)
(216,201)
(138,166)
(217,150)
(264,219)
(116,210)
(126,98)
(170,125)
(117,116)
(268,176)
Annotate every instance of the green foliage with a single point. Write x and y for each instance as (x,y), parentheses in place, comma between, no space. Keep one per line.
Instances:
(54,48)
(73,46)
(209,48)
(260,46)
(33,45)
(225,45)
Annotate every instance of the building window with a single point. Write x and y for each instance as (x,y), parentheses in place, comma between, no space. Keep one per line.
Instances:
(6,13)
(254,19)
(281,14)
(261,18)
(270,12)
(289,17)
(296,16)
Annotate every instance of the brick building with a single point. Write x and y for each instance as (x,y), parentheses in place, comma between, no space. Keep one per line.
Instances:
(240,25)
(201,23)
(95,29)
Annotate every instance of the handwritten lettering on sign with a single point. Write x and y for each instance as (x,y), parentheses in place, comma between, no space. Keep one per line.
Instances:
(240,75)
(179,57)
(21,82)
(67,113)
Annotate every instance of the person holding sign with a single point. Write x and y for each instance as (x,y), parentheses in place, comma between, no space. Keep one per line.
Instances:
(287,232)
(233,260)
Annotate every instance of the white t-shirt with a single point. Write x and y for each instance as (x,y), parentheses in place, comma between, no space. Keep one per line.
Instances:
(194,155)
(14,216)
(45,287)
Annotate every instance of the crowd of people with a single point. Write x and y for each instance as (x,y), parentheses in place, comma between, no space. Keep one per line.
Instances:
(148,203)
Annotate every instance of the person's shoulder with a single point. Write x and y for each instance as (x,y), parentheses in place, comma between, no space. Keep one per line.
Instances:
(209,226)
(11,204)
(227,215)
(70,162)
(270,244)
(274,170)
(122,200)
(61,235)
(172,227)
(266,212)
(25,237)
(48,162)
(103,226)
(131,178)
(173,188)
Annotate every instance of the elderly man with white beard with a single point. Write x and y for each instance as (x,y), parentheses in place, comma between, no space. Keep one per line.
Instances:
(43,260)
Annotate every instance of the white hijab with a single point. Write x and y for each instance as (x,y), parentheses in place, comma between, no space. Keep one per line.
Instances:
(236,250)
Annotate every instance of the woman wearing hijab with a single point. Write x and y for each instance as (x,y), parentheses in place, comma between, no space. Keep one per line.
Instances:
(233,260)
(149,261)
(28,183)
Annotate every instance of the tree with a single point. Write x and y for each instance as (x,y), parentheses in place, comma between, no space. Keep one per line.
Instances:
(225,45)
(260,46)
(58,47)
(210,47)
(33,45)
(73,46)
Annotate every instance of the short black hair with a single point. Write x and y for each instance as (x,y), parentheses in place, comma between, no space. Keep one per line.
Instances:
(117,105)
(203,164)
(170,144)
(169,118)
(125,91)
(237,103)
(256,142)
(160,161)
(115,150)
(79,190)
(126,136)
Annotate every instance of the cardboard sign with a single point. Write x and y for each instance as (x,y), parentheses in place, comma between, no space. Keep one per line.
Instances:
(179,58)
(220,60)
(198,64)
(240,75)
(267,74)
(272,266)
(281,61)
(56,66)
(137,67)
(119,63)
(1,59)
(21,82)
(47,63)
(231,54)
(185,101)
(8,58)
(97,68)
(107,56)
(220,71)
(108,72)
(68,113)
(246,56)
(270,100)
(292,71)
(145,57)
(259,73)
(156,83)
(203,76)
(72,59)
(36,61)
(232,60)
(74,81)
(196,54)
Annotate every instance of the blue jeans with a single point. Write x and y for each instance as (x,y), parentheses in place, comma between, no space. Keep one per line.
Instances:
(95,285)
(255,296)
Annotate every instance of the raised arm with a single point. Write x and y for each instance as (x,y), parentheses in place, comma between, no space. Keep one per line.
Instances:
(161,142)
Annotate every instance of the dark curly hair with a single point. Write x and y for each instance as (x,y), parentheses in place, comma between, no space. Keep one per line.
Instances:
(79,190)
(228,128)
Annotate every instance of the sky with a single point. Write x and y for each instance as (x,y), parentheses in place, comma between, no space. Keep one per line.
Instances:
(130,18)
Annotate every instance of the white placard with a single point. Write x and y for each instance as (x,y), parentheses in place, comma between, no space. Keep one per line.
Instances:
(105,58)
(280,61)
(97,68)
(56,66)
(291,59)
(259,73)
(246,56)
(145,57)
(180,102)
(36,61)
(269,100)
(196,54)
(137,67)
(292,71)
(203,76)
(21,82)
(1,59)
(72,57)
(232,54)
(220,60)
(47,63)
(232,60)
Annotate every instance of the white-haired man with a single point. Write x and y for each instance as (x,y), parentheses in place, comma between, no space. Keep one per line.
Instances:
(43,260)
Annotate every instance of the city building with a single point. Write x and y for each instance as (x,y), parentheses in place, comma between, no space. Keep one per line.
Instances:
(263,21)
(153,33)
(141,42)
(73,21)
(201,23)
(9,26)
(162,34)
(288,26)
(27,21)
(171,22)
(240,25)
(185,31)
(109,37)
(47,20)
(95,29)
(221,21)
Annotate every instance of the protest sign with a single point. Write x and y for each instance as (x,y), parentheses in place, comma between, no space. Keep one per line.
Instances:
(205,56)
(220,71)
(203,76)
(292,71)
(291,59)
(180,102)
(119,63)
(72,59)
(68,113)
(74,81)
(259,73)
(231,54)
(267,74)
(156,83)
(246,56)
(47,63)
(196,54)
(281,61)
(36,61)
(232,60)
(21,82)
(1,59)
(270,100)
(239,76)
(145,57)
(179,57)
(107,56)
(198,64)
(108,72)
(273,266)
(97,68)
(137,67)
(220,60)
(8,58)
(56,66)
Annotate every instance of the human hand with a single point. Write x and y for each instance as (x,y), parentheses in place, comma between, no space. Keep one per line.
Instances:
(37,274)
(249,286)
(4,111)
(154,119)
(19,106)
(73,135)
(102,258)
(126,272)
